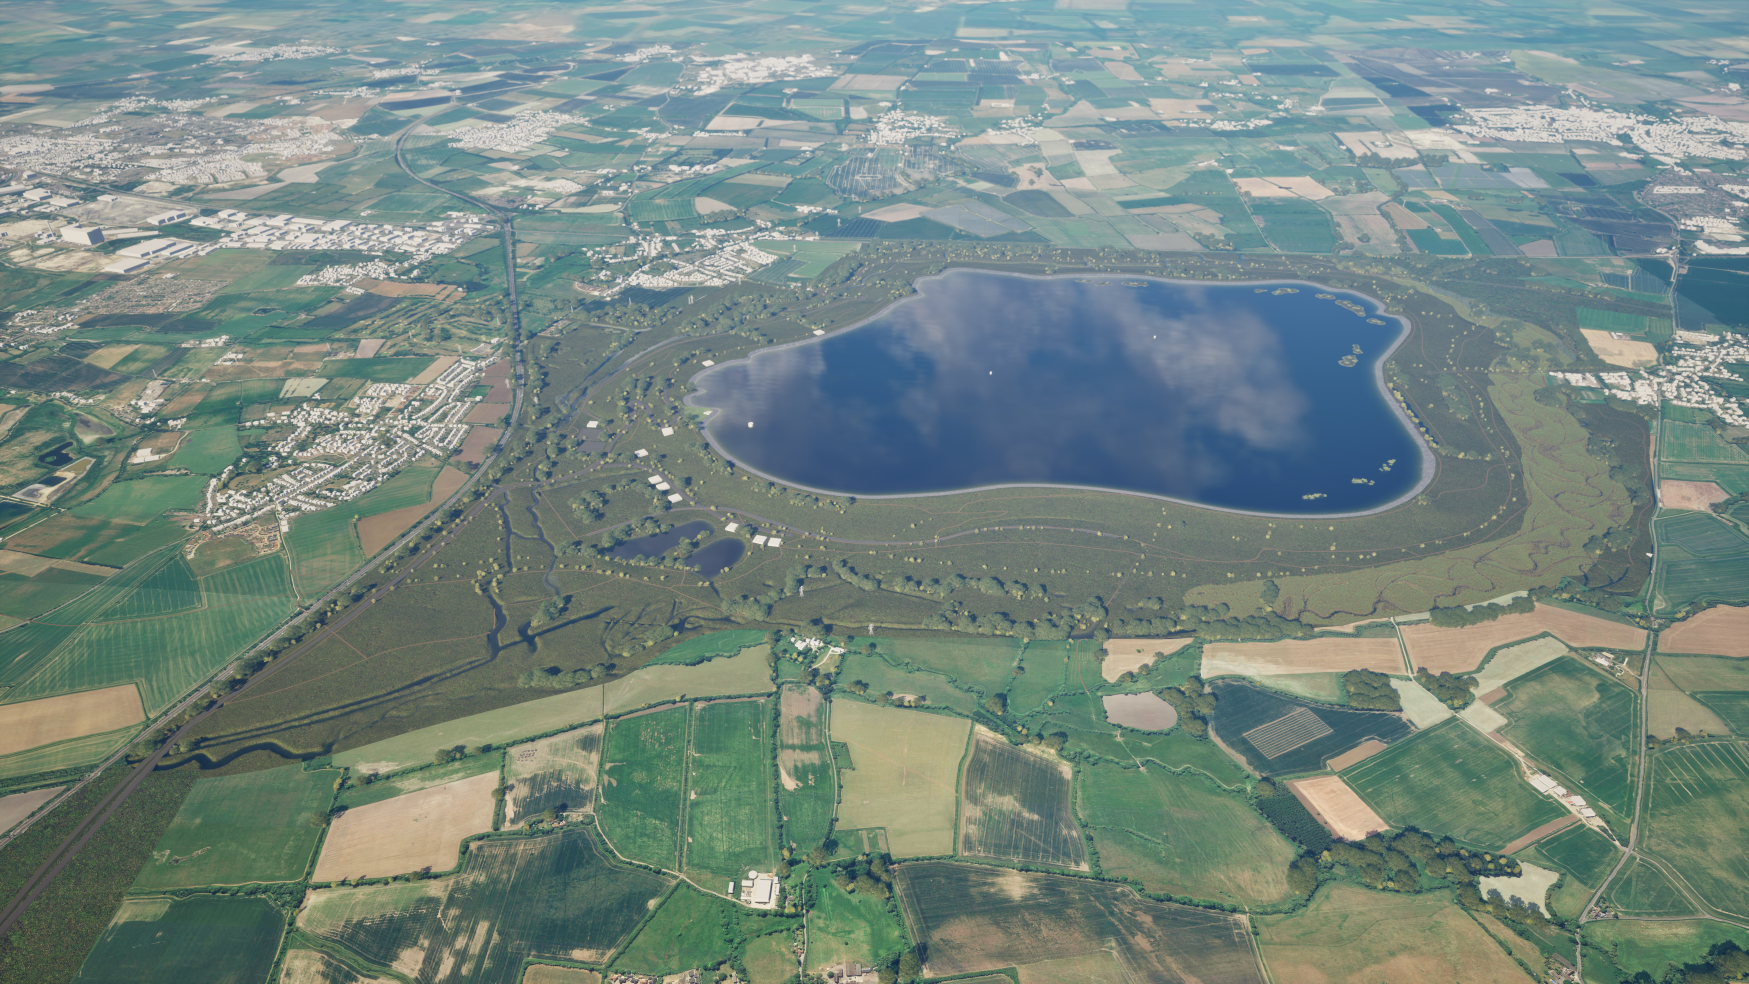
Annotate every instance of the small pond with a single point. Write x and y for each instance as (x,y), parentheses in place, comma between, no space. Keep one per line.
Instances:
(661,543)
(1143,712)
(58,456)
(714,558)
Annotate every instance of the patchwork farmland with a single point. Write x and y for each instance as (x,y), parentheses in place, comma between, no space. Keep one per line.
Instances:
(555,773)
(1451,780)
(1461,650)
(972,919)
(1281,735)
(903,774)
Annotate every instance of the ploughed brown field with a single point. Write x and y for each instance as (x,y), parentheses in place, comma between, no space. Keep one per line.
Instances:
(1461,650)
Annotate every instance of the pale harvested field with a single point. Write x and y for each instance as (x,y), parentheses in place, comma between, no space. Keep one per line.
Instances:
(1300,656)
(1700,496)
(1359,753)
(381,530)
(549,974)
(1132,655)
(434,370)
(1721,631)
(1461,650)
(487,413)
(408,833)
(316,967)
(20,805)
(1337,807)
(51,719)
(1620,351)
(1349,935)
(29,565)
(107,356)
(906,774)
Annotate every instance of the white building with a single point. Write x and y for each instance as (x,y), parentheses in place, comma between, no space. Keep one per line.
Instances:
(165,218)
(82,235)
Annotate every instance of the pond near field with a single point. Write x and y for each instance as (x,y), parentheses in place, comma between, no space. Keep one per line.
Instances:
(1144,711)
(1261,397)
(660,543)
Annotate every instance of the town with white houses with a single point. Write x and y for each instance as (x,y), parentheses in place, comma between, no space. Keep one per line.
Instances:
(1697,357)
(362,444)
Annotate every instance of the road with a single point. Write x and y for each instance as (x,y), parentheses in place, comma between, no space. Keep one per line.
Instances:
(87,828)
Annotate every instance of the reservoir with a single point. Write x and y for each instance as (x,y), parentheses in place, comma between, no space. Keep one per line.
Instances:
(1249,396)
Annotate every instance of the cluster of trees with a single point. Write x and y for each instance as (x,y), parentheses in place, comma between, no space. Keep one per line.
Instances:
(1725,962)
(1193,704)
(1457,618)
(554,678)
(867,875)
(1398,862)
(1287,814)
(1680,736)
(1455,692)
(1371,691)
(591,505)
(1220,623)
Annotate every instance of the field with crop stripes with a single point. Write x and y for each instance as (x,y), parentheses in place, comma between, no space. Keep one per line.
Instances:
(1451,780)
(807,785)
(557,896)
(731,822)
(1014,804)
(1579,724)
(1700,795)
(642,779)
(158,941)
(232,830)
(166,655)
(1182,834)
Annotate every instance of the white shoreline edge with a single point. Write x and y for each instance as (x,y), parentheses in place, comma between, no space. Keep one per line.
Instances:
(1429,461)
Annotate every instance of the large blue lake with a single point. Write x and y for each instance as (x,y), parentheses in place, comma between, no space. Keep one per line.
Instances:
(1262,397)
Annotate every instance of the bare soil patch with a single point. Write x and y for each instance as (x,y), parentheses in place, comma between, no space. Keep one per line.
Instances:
(1359,753)
(381,530)
(1721,631)
(1620,351)
(430,373)
(487,413)
(1301,656)
(477,444)
(1337,807)
(1134,655)
(1461,650)
(408,833)
(1539,833)
(1699,496)
(51,719)
(21,805)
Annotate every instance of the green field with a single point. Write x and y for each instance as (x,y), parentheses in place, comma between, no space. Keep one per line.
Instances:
(730,675)
(387,370)
(236,395)
(1657,948)
(1451,780)
(1700,794)
(1348,933)
(693,930)
(847,926)
(27,597)
(770,960)
(169,589)
(232,830)
(201,940)
(165,656)
(642,783)
(556,896)
(324,546)
(983,666)
(1719,682)
(904,775)
(1014,804)
(807,788)
(363,793)
(1580,725)
(1180,834)
(1679,441)
(1578,851)
(731,826)
(1732,478)
(207,451)
(709,646)
(1644,890)
(70,754)
(143,500)
(1701,558)
(883,677)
